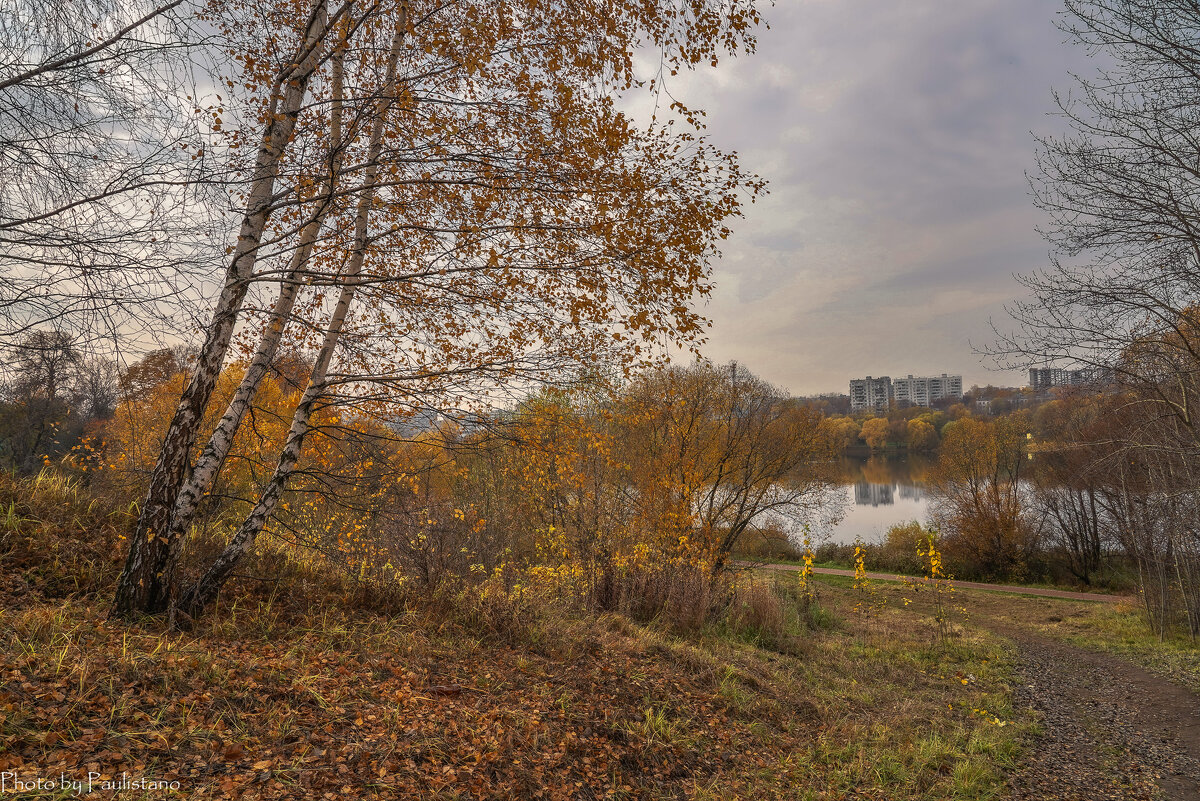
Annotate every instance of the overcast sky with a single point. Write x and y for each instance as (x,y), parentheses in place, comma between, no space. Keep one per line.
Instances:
(896,137)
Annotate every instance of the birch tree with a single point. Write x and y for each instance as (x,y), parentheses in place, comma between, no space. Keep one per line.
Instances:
(148,576)
(487,215)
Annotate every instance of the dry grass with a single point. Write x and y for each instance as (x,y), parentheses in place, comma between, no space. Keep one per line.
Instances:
(1119,629)
(758,609)
(305,685)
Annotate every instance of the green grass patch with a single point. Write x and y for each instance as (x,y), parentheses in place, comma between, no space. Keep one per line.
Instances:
(1121,629)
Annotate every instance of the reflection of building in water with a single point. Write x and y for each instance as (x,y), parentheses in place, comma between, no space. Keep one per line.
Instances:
(911,491)
(866,493)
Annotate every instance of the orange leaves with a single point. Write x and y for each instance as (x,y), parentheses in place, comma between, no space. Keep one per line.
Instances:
(874,432)
(522,215)
(661,473)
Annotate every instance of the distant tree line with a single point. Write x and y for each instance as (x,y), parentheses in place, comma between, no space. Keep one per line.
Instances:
(51,396)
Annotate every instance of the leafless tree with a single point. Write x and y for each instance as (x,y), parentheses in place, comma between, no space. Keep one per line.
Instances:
(1076,524)
(1122,195)
(50,389)
(1151,495)
(100,214)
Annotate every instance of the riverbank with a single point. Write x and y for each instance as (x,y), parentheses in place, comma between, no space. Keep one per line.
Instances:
(299,686)
(1049,591)
(1019,589)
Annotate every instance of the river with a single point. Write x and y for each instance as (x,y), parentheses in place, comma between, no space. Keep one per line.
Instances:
(878,493)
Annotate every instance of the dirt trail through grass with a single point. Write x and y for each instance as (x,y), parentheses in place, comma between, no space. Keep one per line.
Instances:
(1110,730)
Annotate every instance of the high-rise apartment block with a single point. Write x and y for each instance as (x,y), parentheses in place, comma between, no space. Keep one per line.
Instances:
(925,390)
(878,393)
(1045,377)
(870,393)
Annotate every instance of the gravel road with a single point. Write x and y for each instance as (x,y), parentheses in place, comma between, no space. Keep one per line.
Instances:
(1110,730)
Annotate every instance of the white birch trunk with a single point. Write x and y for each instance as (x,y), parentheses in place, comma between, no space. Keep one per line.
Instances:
(210,461)
(146,582)
(201,594)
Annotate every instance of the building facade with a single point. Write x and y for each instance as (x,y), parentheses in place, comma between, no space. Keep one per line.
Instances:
(1045,377)
(923,391)
(878,393)
(870,393)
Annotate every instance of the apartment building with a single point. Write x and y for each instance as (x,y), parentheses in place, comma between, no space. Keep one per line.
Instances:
(870,393)
(1045,377)
(924,390)
(877,393)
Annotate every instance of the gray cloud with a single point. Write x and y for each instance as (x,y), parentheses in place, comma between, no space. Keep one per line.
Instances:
(896,137)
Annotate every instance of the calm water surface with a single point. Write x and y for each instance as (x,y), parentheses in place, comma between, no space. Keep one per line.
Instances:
(880,492)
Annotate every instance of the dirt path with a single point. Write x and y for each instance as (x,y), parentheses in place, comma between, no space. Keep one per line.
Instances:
(970,585)
(1110,730)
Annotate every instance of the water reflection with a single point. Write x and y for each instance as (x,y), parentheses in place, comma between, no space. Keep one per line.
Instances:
(905,471)
(874,494)
(880,492)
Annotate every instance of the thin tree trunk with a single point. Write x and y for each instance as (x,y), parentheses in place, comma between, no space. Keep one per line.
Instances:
(204,592)
(146,582)
(209,464)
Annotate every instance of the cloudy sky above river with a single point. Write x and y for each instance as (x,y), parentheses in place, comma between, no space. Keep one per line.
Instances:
(896,137)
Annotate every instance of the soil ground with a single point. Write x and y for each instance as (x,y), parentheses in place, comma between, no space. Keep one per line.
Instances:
(1110,730)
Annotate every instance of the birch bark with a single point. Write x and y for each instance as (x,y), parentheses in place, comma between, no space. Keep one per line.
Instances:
(146,582)
(210,461)
(201,594)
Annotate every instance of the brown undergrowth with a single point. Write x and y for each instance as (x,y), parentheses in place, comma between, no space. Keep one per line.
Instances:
(304,686)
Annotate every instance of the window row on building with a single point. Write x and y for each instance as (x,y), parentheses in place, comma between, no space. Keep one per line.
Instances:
(1046,377)
(880,393)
